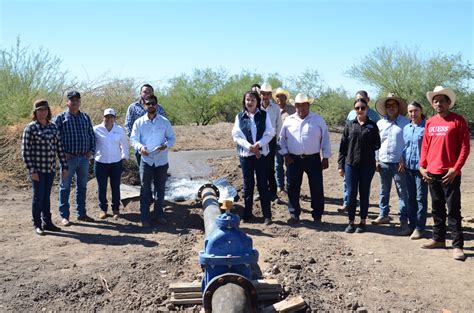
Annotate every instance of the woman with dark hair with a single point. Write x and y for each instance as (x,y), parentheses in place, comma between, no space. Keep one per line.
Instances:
(252,132)
(41,143)
(416,187)
(359,142)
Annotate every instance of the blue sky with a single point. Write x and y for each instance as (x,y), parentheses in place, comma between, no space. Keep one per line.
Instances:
(155,40)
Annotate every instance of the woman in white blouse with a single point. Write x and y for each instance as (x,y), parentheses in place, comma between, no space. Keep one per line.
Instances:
(111,149)
(252,132)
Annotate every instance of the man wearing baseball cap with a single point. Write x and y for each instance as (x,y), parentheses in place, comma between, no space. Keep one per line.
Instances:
(444,151)
(78,138)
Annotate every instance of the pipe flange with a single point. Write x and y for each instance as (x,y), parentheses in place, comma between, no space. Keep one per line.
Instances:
(208,185)
(224,279)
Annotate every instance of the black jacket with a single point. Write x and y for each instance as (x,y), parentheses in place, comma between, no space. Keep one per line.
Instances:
(358,144)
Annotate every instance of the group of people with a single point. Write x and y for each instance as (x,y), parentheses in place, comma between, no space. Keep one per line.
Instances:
(416,153)
(72,138)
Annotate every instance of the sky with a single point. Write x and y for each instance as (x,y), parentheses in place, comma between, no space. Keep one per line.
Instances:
(153,41)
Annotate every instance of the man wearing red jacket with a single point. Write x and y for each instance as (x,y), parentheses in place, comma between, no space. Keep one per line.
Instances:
(444,151)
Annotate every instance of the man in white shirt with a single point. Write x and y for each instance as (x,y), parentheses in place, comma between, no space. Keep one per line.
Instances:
(152,135)
(303,136)
(273,111)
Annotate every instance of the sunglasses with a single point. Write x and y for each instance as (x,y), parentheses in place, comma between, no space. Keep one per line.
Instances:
(361,108)
(151,103)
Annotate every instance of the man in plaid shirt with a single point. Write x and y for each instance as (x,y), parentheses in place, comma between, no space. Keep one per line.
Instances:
(137,110)
(78,139)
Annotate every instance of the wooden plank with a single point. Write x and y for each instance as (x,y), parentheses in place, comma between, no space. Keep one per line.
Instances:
(186,295)
(186,301)
(287,305)
(185,287)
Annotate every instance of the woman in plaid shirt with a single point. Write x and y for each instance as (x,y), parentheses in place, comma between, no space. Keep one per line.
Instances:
(41,143)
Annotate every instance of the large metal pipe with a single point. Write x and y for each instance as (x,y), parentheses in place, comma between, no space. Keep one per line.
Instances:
(209,194)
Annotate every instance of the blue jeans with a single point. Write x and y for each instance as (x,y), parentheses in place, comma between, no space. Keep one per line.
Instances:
(345,198)
(251,165)
(312,167)
(157,175)
(41,204)
(104,171)
(389,171)
(358,179)
(280,170)
(417,199)
(79,168)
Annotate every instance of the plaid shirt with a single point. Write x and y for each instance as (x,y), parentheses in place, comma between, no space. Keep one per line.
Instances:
(137,110)
(39,147)
(76,132)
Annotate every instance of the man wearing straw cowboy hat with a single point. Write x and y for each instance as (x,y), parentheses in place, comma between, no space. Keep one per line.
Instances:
(303,136)
(389,159)
(444,151)
(281,97)
(275,118)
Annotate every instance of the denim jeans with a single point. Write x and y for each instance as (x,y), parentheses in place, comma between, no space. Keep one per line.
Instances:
(79,168)
(251,165)
(104,171)
(417,191)
(280,170)
(450,195)
(272,185)
(312,167)
(389,171)
(345,199)
(41,204)
(358,180)
(157,175)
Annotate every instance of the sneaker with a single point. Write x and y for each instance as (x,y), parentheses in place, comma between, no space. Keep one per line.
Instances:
(458,254)
(65,222)
(103,215)
(360,228)
(381,220)
(317,220)
(350,228)
(85,218)
(116,214)
(267,221)
(293,219)
(342,209)
(417,234)
(162,220)
(51,227)
(39,231)
(405,230)
(432,244)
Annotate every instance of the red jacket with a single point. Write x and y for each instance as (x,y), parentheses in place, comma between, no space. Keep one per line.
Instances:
(446,144)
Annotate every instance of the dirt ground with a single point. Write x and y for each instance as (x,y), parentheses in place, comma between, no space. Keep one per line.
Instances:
(113,265)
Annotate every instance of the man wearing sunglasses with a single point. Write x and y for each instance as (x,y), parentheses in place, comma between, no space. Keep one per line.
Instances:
(152,135)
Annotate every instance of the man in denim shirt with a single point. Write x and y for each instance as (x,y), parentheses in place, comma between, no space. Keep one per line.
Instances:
(389,158)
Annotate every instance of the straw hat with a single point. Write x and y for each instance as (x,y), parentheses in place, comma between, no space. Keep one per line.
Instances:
(302,98)
(281,91)
(266,87)
(440,90)
(380,104)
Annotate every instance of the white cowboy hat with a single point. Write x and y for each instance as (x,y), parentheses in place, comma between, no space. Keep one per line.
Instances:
(281,91)
(402,104)
(302,98)
(440,90)
(266,87)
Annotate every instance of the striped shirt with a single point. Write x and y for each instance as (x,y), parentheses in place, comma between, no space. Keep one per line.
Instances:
(77,133)
(39,147)
(137,110)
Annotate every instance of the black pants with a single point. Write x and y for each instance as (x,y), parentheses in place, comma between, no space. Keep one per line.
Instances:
(312,167)
(272,185)
(450,195)
(251,165)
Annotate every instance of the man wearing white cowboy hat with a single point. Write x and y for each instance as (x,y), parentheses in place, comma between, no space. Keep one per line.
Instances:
(444,151)
(281,97)
(275,118)
(389,159)
(303,136)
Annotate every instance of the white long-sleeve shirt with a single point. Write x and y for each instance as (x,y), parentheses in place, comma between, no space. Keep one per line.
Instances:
(305,136)
(111,146)
(275,116)
(240,139)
